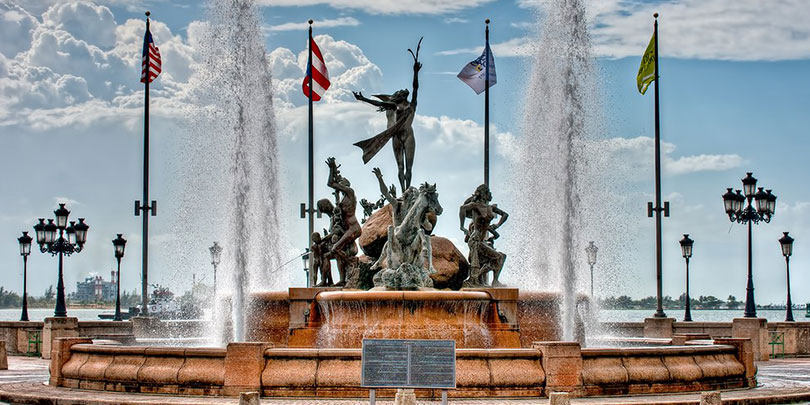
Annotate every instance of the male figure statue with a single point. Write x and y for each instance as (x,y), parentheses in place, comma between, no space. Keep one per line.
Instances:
(483,256)
(345,213)
(399,112)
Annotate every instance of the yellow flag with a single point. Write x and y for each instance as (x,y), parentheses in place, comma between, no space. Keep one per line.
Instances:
(646,72)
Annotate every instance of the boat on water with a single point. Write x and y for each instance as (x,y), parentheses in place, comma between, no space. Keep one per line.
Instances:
(133,311)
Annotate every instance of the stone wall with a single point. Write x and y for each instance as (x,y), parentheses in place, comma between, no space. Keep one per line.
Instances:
(663,369)
(336,373)
(186,371)
(796,334)
(796,337)
(15,334)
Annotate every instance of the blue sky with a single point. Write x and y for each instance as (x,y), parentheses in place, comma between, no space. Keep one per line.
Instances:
(734,92)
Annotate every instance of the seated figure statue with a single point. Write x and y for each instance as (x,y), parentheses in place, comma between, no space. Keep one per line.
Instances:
(480,237)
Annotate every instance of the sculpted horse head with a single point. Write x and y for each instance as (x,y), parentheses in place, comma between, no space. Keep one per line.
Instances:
(428,194)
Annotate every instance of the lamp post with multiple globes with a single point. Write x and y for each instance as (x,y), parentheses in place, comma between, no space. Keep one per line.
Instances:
(738,211)
(71,239)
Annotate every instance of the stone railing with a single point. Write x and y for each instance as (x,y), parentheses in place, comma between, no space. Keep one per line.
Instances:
(15,334)
(793,337)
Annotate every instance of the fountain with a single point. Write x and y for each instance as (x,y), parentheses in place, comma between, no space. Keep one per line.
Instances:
(233,138)
(410,283)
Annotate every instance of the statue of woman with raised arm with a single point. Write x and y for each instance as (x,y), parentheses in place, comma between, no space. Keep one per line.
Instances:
(399,112)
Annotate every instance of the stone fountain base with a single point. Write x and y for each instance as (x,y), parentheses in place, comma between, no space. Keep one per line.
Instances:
(309,346)
(473,318)
(335,373)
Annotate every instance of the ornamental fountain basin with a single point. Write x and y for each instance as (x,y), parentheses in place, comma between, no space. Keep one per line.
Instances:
(473,318)
(307,344)
(335,373)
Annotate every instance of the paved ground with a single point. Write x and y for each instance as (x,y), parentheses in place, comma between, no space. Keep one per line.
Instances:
(781,381)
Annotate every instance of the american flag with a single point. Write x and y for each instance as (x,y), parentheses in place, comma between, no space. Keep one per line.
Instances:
(151,58)
(320,76)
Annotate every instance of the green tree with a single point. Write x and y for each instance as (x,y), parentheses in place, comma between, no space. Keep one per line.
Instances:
(624,302)
(9,299)
(732,302)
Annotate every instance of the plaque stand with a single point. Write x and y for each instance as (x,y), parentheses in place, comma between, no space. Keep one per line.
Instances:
(372,397)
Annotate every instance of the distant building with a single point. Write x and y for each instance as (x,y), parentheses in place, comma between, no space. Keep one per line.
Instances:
(94,289)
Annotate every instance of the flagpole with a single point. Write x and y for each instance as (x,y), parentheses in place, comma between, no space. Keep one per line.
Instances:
(145,206)
(659,312)
(310,209)
(486,108)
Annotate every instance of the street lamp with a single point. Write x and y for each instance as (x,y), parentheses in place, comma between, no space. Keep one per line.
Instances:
(216,252)
(787,249)
(25,250)
(49,243)
(119,243)
(305,258)
(686,250)
(591,250)
(737,212)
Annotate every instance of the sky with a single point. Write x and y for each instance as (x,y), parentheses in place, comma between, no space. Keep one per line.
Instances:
(734,93)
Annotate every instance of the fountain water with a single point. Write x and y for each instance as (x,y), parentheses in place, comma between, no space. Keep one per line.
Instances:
(553,158)
(235,157)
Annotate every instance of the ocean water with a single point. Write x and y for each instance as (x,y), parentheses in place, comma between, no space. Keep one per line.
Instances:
(606,315)
(39,314)
(699,315)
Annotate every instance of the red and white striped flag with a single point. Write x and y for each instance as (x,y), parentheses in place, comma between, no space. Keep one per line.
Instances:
(151,58)
(320,76)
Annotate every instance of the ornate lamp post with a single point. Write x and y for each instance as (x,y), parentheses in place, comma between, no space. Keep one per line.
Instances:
(686,249)
(71,240)
(741,213)
(25,250)
(305,258)
(591,250)
(216,252)
(787,249)
(119,243)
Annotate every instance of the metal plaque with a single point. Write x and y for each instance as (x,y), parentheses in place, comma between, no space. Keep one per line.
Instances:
(401,363)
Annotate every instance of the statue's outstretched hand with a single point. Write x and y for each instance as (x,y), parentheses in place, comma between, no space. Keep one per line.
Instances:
(358,95)
(417,66)
(330,161)
(377,172)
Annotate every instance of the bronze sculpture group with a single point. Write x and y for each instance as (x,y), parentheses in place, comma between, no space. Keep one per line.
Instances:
(406,260)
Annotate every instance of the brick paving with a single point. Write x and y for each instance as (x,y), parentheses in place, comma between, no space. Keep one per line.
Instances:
(780,381)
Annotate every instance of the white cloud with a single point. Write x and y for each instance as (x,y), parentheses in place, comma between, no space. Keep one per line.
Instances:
(456,20)
(741,30)
(85,21)
(510,48)
(65,200)
(78,66)
(327,23)
(16,29)
(385,6)
(349,70)
(635,155)
(708,29)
